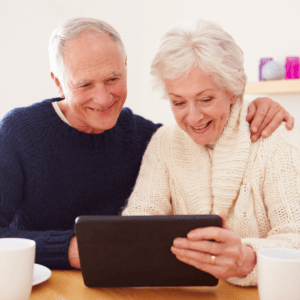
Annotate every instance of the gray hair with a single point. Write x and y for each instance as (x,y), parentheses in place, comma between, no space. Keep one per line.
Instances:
(206,44)
(70,29)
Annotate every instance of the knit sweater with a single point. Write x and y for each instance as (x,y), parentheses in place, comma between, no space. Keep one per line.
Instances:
(256,184)
(50,173)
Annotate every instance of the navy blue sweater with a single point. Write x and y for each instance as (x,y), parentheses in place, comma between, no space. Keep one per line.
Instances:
(50,173)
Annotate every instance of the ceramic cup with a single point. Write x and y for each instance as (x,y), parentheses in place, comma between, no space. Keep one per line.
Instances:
(278,274)
(16,268)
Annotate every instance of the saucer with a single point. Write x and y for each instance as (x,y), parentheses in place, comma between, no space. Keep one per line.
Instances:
(40,274)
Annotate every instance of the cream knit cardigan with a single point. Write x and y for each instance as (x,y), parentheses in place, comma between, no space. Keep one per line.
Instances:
(256,184)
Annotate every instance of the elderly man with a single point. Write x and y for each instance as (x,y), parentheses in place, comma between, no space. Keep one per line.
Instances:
(79,154)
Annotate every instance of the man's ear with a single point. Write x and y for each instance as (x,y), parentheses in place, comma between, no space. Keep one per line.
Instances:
(58,85)
(126,61)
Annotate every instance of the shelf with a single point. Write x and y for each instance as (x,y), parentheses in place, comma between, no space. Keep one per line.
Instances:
(275,87)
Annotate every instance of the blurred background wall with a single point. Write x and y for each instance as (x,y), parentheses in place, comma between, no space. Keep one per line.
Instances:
(262,28)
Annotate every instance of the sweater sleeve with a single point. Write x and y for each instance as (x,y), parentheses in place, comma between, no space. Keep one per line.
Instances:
(151,194)
(51,246)
(281,197)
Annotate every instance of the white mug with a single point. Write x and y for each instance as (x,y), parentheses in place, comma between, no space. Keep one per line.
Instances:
(278,274)
(17,258)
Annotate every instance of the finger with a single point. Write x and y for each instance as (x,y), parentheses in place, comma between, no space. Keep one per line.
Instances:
(200,257)
(254,137)
(262,106)
(196,233)
(272,120)
(289,121)
(215,269)
(200,246)
(257,121)
(273,124)
(222,215)
(210,233)
(251,112)
(231,248)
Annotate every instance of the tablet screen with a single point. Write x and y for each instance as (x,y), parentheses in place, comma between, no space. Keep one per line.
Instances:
(123,251)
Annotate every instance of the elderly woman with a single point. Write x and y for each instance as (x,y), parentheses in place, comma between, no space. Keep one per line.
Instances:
(206,164)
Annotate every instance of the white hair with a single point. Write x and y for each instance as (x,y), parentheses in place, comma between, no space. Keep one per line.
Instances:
(206,44)
(70,29)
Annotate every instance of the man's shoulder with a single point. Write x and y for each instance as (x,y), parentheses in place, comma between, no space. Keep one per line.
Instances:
(128,113)
(22,119)
(133,122)
(26,112)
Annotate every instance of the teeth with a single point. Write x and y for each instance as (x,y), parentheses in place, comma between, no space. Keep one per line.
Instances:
(201,127)
(98,109)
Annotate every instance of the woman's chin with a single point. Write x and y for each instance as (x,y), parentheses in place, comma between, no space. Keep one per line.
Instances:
(202,141)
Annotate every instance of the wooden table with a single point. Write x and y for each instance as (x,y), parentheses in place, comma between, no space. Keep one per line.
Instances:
(68,285)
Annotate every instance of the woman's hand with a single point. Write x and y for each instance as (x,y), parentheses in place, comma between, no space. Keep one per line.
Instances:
(224,257)
(74,254)
(265,116)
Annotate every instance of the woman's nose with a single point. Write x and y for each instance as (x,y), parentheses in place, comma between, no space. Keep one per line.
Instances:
(195,115)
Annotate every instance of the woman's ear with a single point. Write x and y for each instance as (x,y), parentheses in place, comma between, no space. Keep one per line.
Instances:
(232,97)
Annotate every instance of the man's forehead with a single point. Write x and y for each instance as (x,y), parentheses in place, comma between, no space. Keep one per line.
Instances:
(90,42)
(92,52)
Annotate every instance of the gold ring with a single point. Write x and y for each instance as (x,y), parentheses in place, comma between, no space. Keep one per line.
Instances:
(212,259)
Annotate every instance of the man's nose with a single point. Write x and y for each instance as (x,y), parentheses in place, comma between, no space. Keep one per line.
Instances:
(102,96)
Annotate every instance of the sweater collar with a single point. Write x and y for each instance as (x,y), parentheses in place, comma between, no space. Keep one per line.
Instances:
(94,140)
(231,156)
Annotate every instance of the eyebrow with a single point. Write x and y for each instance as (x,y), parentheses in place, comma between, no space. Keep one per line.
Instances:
(81,82)
(113,74)
(87,80)
(196,95)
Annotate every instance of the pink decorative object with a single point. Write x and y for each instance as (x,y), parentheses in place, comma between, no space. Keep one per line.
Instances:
(263,61)
(292,70)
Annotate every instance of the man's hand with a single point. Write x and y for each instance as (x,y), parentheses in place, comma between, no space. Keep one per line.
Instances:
(74,254)
(265,116)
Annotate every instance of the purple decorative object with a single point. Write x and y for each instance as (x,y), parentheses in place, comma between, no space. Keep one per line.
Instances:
(263,61)
(273,70)
(292,70)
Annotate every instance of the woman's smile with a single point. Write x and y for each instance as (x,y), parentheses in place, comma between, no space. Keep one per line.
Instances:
(203,128)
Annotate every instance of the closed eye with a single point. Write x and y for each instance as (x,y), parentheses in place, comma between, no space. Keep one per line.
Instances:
(85,85)
(113,79)
(177,103)
(207,100)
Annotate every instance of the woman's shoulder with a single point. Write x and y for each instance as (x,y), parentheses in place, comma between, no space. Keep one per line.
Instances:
(171,141)
(282,140)
(291,137)
(171,134)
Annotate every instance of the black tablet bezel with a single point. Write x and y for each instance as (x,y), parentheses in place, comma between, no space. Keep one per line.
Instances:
(133,251)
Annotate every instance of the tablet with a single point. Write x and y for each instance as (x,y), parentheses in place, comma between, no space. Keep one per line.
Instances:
(134,251)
